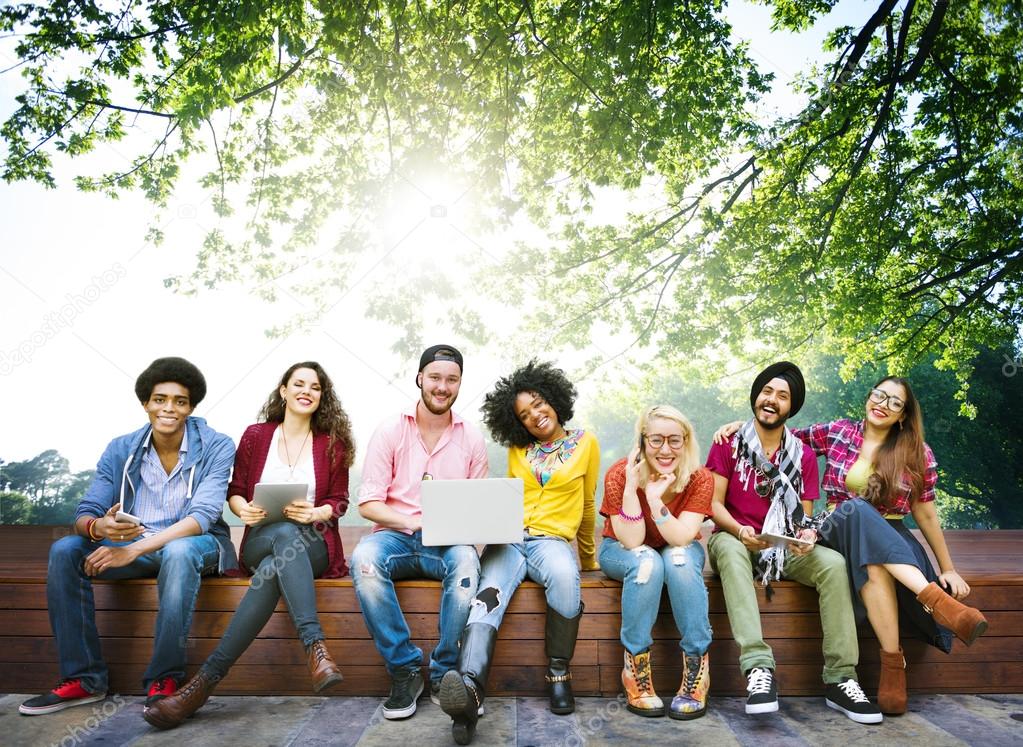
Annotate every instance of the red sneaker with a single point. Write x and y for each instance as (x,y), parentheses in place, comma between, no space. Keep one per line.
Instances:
(160,688)
(67,693)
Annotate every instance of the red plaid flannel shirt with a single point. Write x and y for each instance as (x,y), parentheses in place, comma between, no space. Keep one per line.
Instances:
(841,442)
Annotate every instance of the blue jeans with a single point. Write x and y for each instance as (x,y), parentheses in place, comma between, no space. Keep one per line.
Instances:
(285,558)
(178,567)
(550,561)
(643,572)
(384,557)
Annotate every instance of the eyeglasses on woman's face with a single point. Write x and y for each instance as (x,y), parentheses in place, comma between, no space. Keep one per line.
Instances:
(883,398)
(656,441)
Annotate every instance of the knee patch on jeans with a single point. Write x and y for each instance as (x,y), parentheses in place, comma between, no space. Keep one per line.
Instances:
(678,556)
(489,598)
(367,570)
(646,563)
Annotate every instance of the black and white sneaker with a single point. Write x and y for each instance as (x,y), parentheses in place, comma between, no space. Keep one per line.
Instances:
(763,691)
(406,687)
(849,698)
(66,694)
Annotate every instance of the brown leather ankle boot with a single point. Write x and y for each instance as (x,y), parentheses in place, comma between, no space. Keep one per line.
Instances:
(966,622)
(174,709)
(891,691)
(322,667)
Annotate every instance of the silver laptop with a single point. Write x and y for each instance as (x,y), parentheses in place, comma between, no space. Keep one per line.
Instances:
(471,512)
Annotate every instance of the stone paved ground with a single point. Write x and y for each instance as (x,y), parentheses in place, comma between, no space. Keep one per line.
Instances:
(933,721)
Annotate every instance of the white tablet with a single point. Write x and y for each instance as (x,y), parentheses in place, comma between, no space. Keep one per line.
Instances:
(272,497)
(779,540)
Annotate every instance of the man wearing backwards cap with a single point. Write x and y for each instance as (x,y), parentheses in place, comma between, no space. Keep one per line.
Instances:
(425,441)
(765,481)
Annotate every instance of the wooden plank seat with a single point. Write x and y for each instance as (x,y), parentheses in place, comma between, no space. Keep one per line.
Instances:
(991,561)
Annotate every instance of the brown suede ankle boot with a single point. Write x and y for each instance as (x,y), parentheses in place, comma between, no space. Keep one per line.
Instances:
(322,667)
(174,709)
(966,622)
(891,691)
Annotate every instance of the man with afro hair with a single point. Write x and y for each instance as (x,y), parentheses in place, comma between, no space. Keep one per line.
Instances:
(171,475)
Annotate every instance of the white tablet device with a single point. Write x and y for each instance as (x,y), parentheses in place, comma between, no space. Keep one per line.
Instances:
(779,540)
(272,497)
(472,512)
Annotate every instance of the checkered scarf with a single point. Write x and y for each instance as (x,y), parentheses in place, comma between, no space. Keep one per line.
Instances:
(785,512)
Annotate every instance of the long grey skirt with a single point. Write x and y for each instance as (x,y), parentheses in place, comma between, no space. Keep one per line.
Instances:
(864,537)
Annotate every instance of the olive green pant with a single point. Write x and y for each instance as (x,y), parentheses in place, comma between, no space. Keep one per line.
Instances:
(822,568)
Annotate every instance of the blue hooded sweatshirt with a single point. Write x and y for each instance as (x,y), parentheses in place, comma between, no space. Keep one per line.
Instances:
(207,467)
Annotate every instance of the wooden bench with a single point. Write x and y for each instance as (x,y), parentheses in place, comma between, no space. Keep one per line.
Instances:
(991,561)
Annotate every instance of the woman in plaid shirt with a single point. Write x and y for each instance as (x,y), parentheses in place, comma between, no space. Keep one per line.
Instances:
(878,470)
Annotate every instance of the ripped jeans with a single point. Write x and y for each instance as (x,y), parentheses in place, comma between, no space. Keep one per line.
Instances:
(382,558)
(643,572)
(549,561)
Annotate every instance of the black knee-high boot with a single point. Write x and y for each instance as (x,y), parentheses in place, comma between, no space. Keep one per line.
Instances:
(462,691)
(560,637)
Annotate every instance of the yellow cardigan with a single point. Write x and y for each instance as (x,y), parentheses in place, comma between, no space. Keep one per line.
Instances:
(564,507)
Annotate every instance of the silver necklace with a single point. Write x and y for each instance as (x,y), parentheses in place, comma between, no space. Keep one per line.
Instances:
(287,451)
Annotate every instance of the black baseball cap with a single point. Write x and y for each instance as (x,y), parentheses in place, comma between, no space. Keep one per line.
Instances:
(438,353)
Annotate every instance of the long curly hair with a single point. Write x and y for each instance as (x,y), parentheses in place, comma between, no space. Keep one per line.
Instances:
(330,417)
(499,405)
(900,462)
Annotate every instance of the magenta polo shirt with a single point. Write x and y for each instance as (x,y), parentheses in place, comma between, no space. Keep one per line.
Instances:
(743,503)
(397,460)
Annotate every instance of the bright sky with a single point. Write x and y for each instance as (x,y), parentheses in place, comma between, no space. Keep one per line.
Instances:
(85,309)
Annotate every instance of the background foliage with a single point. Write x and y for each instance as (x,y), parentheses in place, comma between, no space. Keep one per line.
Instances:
(877,228)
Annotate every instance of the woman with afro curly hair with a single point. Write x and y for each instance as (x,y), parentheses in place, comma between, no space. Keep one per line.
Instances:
(559,468)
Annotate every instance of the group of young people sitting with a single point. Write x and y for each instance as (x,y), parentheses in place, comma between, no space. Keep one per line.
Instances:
(758,486)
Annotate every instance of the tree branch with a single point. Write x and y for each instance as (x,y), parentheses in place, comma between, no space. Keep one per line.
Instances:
(966,269)
(926,43)
(279,79)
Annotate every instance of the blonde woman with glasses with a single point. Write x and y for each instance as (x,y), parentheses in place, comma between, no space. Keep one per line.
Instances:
(654,503)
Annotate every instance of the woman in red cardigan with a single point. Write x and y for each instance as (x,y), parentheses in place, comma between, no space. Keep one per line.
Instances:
(305,437)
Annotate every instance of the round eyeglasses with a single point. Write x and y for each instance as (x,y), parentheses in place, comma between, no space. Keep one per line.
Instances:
(656,441)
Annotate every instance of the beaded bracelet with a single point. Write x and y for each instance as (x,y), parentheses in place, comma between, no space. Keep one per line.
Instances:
(630,517)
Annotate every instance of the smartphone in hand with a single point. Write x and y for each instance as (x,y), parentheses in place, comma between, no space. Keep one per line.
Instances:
(124,516)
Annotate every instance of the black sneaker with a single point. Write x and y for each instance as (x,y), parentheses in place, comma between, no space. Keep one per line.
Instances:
(406,686)
(67,693)
(849,698)
(763,691)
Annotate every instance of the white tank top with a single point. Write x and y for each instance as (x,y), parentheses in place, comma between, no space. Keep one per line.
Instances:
(276,469)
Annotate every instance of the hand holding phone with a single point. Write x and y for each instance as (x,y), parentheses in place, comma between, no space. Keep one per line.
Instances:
(124,516)
(119,525)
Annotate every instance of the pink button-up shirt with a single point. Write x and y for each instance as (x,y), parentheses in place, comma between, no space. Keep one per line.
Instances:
(397,460)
